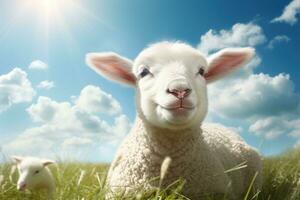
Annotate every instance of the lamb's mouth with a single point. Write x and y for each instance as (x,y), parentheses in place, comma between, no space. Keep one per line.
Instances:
(178,110)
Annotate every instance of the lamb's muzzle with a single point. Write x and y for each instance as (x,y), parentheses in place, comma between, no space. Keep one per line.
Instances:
(21,186)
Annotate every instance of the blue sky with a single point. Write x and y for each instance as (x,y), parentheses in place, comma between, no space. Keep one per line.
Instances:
(51,103)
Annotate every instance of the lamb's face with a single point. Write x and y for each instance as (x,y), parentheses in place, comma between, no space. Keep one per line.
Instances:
(171,85)
(170,79)
(29,175)
(32,172)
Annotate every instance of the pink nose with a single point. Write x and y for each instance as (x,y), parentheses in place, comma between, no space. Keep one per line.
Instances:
(180,94)
(21,186)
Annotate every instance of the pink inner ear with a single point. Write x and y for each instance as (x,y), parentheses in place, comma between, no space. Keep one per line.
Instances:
(48,162)
(17,159)
(113,69)
(224,65)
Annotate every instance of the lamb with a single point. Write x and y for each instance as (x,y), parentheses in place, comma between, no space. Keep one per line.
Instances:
(34,174)
(171,80)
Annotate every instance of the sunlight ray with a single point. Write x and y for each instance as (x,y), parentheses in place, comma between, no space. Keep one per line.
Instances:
(52,16)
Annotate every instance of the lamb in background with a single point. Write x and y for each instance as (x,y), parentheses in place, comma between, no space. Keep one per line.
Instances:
(34,174)
(171,85)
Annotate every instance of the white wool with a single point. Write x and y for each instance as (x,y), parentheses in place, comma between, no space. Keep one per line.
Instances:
(34,174)
(169,124)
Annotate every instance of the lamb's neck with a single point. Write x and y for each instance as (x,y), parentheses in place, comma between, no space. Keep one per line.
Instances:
(167,141)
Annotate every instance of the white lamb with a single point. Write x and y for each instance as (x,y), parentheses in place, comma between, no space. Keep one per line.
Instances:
(34,174)
(170,80)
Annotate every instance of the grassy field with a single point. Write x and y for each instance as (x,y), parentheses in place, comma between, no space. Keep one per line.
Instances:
(83,181)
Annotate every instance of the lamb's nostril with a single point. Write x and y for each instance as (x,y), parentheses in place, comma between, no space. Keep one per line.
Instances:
(180,93)
(21,186)
(187,92)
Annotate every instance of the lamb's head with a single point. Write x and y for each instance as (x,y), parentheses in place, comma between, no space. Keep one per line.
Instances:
(32,172)
(170,79)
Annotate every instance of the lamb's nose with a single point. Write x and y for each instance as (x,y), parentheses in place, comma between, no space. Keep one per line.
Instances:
(21,186)
(179,88)
(180,94)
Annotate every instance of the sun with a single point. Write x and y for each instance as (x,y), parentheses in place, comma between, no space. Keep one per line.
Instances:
(47,20)
(57,12)
(50,9)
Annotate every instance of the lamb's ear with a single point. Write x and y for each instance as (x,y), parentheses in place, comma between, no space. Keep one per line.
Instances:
(17,159)
(112,66)
(225,61)
(47,162)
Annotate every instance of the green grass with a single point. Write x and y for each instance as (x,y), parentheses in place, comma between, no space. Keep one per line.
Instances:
(281,182)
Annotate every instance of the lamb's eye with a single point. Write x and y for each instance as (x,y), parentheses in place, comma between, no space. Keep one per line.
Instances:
(36,172)
(144,72)
(201,71)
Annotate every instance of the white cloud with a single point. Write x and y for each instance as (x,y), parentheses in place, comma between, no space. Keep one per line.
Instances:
(38,65)
(267,106)
(46,110)
(65,127)
(289,13)
(76,142)
(46,85)
(121,123)
(239,35)
(92,100)
(275,126)
(278,39)
(258,95)
(270,127)
(15,88)
(296,127)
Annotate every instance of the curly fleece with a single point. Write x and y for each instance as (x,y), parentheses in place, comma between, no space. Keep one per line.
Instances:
(200,156)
